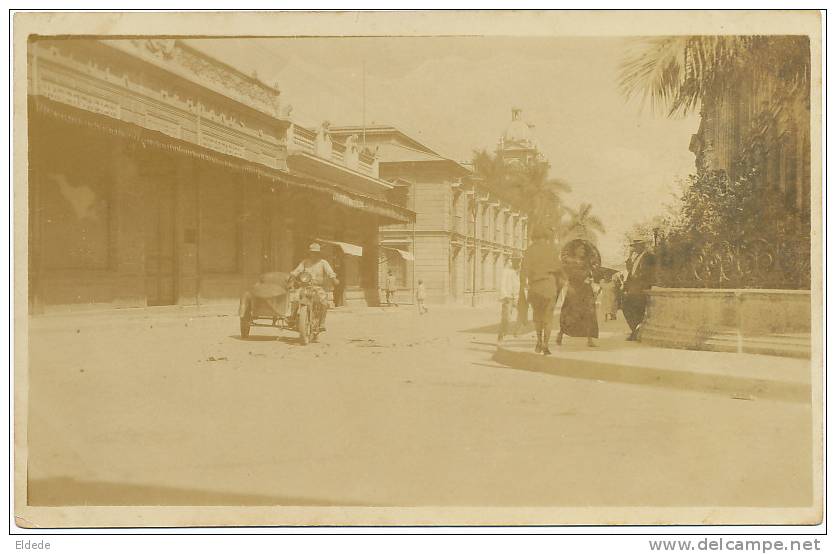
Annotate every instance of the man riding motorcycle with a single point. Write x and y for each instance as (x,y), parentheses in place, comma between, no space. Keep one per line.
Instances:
(321,273)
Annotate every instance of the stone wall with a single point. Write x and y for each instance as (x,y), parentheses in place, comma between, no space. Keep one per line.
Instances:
(730,320)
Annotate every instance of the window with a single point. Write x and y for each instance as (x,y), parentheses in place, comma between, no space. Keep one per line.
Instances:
(220,207)
(457,216)
(468,285)
(75,217)
(507,229)
(471,217)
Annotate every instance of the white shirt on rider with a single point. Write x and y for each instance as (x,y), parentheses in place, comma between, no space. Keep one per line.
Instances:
(320,270)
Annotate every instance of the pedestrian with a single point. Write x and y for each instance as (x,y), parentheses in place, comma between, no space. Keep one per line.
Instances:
(421,297)
(339,289)
(541,270)
(509,287)
(578,317)
(391,288)
(641,268)
(618,282)
(609,298)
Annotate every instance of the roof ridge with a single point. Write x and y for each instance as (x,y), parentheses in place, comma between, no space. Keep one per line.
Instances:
(383,126)
(436,154)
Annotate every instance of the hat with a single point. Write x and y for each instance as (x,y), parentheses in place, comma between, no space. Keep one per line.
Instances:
(314,247)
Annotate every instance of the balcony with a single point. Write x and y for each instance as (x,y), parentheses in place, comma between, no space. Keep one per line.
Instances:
(348,154)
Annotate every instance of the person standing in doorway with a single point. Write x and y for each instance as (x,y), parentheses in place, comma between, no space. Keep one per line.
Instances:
(421,297)
(541,270)
(509,287)
(641,268)
(391,288)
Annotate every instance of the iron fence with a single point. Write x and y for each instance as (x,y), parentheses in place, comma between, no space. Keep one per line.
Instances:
(756,263)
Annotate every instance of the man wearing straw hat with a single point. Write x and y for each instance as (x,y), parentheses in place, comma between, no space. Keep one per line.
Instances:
(540,270)
(641,265)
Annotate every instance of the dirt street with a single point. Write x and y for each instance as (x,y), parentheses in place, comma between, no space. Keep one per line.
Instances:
(389,408)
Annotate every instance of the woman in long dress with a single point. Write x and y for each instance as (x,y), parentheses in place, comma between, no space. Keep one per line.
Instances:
(578,315)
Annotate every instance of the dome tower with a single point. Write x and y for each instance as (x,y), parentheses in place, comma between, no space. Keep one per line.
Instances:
(517,144)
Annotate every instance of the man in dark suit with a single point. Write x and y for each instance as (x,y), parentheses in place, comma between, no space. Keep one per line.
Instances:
(641,269)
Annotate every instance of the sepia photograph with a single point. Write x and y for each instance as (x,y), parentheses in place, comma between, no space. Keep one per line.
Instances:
(418,268)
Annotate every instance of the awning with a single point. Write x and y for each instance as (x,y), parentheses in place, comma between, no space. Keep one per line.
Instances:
(405,254)
(389,212)
(347,248)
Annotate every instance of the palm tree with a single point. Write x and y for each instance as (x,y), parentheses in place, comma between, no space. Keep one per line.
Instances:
(582,223)
(526,186)
(677,73)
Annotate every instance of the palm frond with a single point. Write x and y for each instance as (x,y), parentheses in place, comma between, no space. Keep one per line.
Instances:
(676,74)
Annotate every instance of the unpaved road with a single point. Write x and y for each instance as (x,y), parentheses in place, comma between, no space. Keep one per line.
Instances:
(388,409)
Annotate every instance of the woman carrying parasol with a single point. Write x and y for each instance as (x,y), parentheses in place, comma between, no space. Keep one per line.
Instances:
(581,262)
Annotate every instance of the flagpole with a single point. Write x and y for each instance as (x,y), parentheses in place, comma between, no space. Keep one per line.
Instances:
(364,103)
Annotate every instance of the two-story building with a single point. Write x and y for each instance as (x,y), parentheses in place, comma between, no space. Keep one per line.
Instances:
(462,233)
(159,175)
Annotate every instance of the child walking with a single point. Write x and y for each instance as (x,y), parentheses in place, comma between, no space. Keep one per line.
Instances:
(421,296)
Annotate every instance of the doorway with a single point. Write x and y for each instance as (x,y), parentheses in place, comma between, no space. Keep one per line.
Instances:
(160,266)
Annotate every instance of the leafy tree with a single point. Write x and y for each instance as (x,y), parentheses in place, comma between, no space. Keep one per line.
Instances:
(731,218)
(677,73)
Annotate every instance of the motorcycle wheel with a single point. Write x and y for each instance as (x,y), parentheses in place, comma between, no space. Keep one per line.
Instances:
(246,320)
(315,322)
(303,324)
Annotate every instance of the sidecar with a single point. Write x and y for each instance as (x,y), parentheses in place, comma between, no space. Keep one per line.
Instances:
(266,304)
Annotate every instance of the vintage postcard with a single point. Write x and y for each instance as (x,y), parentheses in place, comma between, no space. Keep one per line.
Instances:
(417,268)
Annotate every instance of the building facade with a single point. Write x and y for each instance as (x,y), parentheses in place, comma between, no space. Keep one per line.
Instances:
(161,176)
(758,124)
(462,234)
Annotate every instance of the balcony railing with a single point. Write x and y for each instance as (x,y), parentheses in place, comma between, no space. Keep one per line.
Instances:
(307,140)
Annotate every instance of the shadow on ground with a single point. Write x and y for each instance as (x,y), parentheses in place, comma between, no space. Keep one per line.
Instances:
(741,388)
(493,329)
(63,491)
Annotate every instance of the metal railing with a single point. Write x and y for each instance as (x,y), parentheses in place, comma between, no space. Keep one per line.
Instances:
(755,263)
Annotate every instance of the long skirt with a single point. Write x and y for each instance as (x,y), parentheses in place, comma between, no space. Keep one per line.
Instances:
(578,316)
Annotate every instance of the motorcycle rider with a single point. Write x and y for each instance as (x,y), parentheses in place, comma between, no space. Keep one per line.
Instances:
(321,273)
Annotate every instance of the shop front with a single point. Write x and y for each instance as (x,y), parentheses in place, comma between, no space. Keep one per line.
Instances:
(147,187)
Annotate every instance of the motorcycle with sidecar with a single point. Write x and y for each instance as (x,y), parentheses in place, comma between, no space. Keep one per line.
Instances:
(284,302)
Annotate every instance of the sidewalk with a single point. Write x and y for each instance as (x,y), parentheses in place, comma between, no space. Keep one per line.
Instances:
(744,376)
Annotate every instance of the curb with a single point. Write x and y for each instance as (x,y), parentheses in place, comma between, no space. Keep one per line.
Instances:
(743,388)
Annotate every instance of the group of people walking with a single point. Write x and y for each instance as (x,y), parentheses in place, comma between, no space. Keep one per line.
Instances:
(570,278)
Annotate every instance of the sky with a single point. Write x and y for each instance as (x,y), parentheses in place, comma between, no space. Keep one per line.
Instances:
(455,94)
